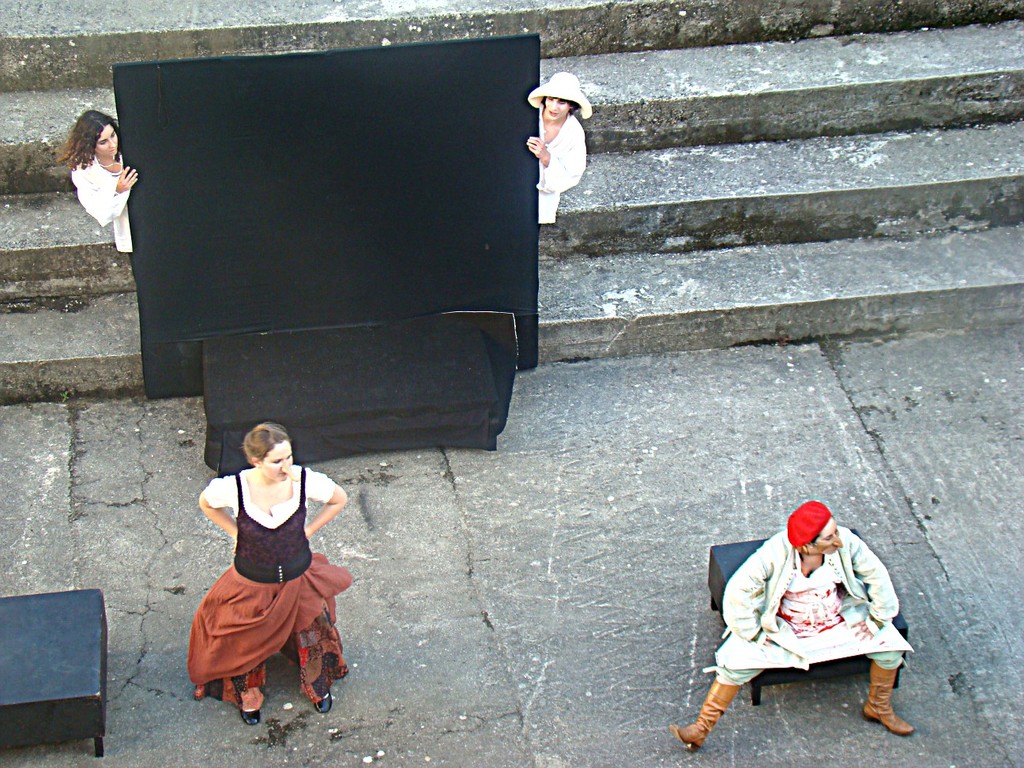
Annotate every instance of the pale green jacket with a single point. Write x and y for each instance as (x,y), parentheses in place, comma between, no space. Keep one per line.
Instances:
(754,593)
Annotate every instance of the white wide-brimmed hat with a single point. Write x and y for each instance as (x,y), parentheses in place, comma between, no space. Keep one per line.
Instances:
(562,85)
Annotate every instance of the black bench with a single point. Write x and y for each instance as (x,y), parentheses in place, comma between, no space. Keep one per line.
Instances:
(440,380)
(53,668)
(723,560)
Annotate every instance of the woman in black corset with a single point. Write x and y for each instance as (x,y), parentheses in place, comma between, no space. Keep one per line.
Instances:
(278,595)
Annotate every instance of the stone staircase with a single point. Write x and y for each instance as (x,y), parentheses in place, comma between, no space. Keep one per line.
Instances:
(756,174)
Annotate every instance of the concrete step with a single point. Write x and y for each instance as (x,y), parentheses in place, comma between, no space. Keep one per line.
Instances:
(658,99)
(674,200)
(50,247)
(645,303)
(889,184)
(33,126)
(621,305)
(825,87)
(52,350)
(72,44)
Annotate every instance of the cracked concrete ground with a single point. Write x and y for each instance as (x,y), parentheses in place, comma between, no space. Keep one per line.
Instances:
(546,605)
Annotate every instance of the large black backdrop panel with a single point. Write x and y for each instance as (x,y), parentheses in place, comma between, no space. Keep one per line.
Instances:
(330,189)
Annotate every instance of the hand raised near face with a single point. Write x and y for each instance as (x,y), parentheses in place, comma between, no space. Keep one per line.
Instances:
(128,178)
(538,148)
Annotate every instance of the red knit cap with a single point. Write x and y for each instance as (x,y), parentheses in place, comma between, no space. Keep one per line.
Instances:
(807,522)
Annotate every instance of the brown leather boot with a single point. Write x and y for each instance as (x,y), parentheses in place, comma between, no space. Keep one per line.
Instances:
(717,701)
(879,703)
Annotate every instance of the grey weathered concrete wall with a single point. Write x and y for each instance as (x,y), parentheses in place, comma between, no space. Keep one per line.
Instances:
(71,45)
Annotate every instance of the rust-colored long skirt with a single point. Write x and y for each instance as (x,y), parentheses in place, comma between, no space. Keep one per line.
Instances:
(241,623)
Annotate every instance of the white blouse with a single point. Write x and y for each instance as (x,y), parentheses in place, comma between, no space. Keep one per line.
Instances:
(97,192)
(565,168)
(813,603)
(222,492)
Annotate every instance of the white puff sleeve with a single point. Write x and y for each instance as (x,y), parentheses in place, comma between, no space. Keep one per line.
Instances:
(222,492)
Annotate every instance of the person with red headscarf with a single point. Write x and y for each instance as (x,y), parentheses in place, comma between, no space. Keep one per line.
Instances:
(813,592)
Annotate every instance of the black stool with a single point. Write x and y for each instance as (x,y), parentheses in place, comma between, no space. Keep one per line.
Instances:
(723,560)
(53,668)
(441,380)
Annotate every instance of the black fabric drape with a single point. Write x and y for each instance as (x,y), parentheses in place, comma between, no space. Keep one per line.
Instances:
(322,190)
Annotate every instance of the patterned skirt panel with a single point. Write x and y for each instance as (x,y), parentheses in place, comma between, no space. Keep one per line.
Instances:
(316,649)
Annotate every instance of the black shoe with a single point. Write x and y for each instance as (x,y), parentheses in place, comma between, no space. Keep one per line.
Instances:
(250,718)
(324,705)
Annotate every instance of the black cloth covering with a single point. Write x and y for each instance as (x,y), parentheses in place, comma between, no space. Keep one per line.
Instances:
(351,401)
(307,226)
(329,189)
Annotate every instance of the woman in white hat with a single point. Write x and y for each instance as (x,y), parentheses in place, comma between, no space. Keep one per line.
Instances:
(561,147)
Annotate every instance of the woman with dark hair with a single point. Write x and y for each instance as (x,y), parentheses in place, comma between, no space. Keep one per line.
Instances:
(277,595)
(561,148)
(92,152)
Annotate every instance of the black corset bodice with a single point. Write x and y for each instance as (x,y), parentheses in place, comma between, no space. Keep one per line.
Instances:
(261,547)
